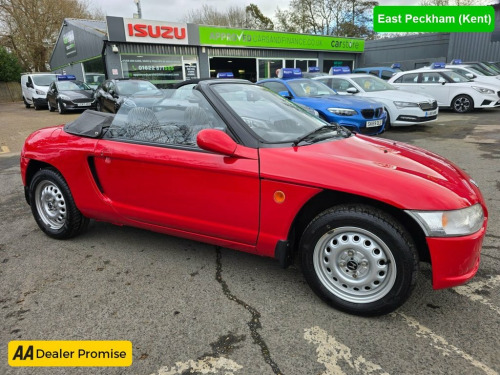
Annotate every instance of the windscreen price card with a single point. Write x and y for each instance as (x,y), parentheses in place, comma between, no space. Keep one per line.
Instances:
(70,353)
(433,19)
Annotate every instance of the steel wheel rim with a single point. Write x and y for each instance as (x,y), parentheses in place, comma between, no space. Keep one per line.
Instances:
(354,265)
(50,204)
(462,104)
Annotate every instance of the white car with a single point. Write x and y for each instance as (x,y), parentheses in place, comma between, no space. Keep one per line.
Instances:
(403,108)
(476,74)
(450,89)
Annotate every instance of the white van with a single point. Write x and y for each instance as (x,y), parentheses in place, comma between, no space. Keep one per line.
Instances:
(35,87)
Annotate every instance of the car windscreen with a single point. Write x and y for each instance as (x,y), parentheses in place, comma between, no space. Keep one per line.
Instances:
(307,88)
(132,87)
(455,77)
(481,71)
(72,86)
(44,80)
(272,118)
(370,84)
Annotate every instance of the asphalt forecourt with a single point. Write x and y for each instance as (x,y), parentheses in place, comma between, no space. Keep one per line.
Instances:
(188,307)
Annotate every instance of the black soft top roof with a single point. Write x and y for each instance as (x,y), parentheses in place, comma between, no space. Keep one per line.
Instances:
(89,124)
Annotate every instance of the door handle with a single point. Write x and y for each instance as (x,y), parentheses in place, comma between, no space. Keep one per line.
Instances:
(104,153)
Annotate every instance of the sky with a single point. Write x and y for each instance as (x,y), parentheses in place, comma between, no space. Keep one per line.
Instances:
(175,10)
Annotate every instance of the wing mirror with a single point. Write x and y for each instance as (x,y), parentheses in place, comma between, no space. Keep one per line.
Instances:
(216,141)
(352,90)
(285,94)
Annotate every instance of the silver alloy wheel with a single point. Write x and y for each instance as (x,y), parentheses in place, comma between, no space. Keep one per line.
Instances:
(50,204)
(462,104)
(59,108)
(354,265)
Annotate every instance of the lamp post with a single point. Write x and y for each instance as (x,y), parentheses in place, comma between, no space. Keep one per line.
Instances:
(138,3)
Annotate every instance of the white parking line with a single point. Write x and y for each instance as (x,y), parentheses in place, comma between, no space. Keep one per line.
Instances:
(207,365)
(470,291)
(442,345)
(330,351)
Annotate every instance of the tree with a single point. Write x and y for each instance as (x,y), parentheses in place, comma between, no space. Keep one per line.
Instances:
(29,28)
(208,15)
(10,69)
(328,17)
(249,18)
(454,2)
(256,20)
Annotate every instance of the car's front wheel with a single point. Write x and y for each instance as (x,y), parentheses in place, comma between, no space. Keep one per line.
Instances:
(98,106)
(51,109)
(462,104)
(359,259)
(60,108)
(26,104)
(53,206)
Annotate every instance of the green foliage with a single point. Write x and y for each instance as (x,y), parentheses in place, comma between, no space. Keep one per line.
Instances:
(10,69)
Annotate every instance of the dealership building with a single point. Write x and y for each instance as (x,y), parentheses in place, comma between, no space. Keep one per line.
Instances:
(165,52)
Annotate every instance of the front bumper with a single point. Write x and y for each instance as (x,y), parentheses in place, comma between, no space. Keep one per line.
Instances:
(359,124)
(78,106)
(40,102)
(455,260)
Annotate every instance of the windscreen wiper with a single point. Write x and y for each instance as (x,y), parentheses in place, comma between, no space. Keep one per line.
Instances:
(314,132)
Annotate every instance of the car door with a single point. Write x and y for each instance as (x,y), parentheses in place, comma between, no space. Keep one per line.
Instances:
(52,95)
(151,171)
(435,85)
(109,97)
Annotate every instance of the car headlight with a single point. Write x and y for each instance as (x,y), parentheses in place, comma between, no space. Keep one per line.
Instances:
(40,92)
(405,104)
(483,90)
(64,97)
(342,111)
(460,222)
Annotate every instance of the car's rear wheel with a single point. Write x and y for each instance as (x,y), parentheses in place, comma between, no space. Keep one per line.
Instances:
(53,206)
(359,259)
(462,104)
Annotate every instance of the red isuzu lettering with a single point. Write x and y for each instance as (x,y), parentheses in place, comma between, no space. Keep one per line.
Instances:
(166,32)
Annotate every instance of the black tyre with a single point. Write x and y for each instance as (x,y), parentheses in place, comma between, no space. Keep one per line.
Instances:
(53,207)
(37,108)
(359,259)
(98,106)
(51,109)
(462,104)
(60,108)
(26,103)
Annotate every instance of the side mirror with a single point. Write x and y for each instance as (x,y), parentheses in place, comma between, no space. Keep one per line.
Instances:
(352,90)
(285,94)
(29,85)
(443,83)
(216,141)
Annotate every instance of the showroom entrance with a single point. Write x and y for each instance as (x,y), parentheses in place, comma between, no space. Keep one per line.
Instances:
(244,68)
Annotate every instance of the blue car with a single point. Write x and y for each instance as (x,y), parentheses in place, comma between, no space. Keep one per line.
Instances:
(364,116)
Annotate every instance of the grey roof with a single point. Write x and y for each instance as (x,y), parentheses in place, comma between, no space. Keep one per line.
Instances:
(96,27)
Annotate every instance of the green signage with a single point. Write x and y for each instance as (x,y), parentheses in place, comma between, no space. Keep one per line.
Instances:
(216,36)
(433,19)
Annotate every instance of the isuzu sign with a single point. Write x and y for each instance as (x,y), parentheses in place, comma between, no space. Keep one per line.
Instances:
(144,31)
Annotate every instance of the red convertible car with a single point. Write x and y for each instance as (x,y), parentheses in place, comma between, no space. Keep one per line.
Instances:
(235,165)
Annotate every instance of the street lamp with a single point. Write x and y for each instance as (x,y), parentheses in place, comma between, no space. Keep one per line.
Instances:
(138,3)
